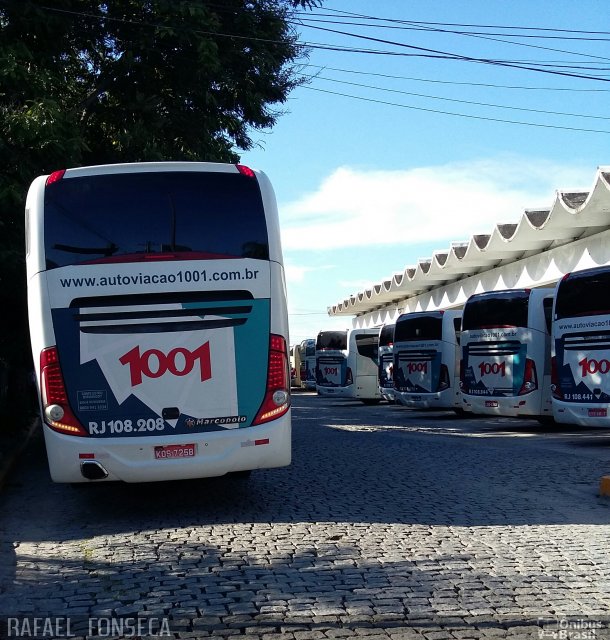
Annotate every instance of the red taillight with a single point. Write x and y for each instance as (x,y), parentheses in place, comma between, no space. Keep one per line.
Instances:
(461,373)
(349,378)
(56,409)
(56,176)
(443,381)
(277,395)
(555,388)
(245,171)
(530,379)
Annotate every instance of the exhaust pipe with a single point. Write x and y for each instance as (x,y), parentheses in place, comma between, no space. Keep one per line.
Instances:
(93,470)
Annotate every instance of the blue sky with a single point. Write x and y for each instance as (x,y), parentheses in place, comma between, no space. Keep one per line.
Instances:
(383,158)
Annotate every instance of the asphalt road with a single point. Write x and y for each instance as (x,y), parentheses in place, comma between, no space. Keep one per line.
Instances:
(389,523)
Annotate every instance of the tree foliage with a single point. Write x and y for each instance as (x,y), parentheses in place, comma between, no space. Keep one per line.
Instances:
(90,82)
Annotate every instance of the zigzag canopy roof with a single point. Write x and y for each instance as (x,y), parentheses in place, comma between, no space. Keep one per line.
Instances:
(573,215)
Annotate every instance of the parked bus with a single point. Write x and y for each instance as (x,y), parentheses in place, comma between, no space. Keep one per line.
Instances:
(308,369)
(581,348)
(426,360)
(386,362)
(346,364)
(506,349)
(295,366)
(158,321)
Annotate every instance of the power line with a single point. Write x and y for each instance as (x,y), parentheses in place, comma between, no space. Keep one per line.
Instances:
(470,102)
(459,115)
(494,37)
(514,64)
(454,82)
(343,13)
(412,25)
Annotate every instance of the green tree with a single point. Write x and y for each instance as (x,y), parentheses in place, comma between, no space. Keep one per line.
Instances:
(91,82)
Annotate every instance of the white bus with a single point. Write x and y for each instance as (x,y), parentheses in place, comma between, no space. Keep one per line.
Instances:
(581,348)
(506,349)
(308,364)
(295,366)
(426,360)
(385,372)
(346,364)
(158,321)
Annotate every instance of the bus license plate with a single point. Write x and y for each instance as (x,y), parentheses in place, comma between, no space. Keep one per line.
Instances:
(491,403)
(173,451)
(598,413)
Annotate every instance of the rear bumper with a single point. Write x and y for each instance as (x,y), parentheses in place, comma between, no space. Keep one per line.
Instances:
(511,406)
(441,400)
(578,414)
(133,459)
(336,392)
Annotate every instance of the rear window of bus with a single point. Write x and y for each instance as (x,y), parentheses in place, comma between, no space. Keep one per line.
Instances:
(191,214)
(585,293)
(506,309)
(386,335)
(332,340)
(419,327)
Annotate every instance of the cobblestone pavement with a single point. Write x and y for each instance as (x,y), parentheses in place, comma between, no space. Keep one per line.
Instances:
(389,524)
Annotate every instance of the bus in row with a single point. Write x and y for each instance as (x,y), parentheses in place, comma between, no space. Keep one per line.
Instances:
(506,353)
(308,364)
(581,348)
(426,360)
(295,366)
(347,364)
(385,355)
(158,321)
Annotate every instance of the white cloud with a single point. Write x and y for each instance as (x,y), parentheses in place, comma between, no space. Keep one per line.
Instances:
(355,207)
(297,273)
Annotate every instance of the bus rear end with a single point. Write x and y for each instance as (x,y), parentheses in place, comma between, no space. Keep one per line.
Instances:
(363,364)
(581,349)
(425,360)
(331,364)
(505,344)
(385,373)
(158,321)
(309,350)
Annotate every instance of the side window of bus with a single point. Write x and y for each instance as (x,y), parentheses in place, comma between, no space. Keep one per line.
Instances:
(368,346)
(457,325)
(547,306)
